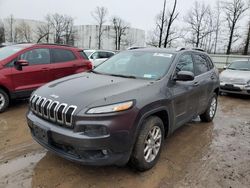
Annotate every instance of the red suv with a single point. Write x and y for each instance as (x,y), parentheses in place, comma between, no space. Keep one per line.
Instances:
(25,67)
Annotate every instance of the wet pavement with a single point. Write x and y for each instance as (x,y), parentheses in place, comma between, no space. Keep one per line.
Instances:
(197,155)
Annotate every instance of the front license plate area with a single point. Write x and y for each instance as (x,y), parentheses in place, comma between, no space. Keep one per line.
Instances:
(40,134)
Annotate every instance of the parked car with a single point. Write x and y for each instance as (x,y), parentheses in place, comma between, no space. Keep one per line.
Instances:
(98,56)
(25,67)
(236,78)
(127,107)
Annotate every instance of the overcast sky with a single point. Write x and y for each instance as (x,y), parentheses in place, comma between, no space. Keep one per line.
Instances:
(139,13)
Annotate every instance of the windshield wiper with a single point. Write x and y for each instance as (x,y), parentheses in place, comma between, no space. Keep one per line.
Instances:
(123,76)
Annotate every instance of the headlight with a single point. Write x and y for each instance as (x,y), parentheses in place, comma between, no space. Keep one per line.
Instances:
(111,108)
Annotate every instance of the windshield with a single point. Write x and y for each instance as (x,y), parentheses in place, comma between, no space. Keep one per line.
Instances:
(240,65)
(137,64)
(9,50)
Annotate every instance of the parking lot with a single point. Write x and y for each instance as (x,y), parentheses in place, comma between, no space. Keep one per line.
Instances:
(197,155)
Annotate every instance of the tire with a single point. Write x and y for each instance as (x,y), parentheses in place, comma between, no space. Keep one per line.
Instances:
(4,100)
(141,160)
(210,112)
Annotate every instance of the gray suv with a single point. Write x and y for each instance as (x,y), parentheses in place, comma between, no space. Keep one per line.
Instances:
(125,108)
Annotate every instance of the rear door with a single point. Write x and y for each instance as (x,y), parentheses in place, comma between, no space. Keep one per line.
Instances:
(64,63)
(34,75)
(185,93)
(205,79)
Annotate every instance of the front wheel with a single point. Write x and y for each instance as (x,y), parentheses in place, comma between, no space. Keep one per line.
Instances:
(148,145)
(209,114)
(4,100)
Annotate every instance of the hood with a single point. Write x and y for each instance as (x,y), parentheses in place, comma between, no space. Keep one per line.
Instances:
(240,76)
(88,89)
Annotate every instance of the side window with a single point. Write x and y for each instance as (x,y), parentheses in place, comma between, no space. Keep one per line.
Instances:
(201,64)
(95,55)
(109,54)
(185,63)
(102,55)
(37,56)
(62,55)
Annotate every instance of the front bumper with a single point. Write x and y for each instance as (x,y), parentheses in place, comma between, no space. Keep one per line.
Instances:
(234,88)
(111,149)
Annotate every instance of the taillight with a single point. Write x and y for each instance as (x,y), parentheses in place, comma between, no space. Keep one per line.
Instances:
(89,65)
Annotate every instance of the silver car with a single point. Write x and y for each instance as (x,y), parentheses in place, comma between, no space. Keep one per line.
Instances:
(98,56)
(236,78)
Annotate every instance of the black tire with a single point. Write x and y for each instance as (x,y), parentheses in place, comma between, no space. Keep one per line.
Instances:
(4,100)
(138,160)
(207,116)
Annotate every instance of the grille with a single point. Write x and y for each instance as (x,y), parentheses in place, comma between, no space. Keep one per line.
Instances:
(53,111)
(238,81)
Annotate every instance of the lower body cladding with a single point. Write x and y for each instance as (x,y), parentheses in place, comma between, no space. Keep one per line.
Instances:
(113,148)
(235,89)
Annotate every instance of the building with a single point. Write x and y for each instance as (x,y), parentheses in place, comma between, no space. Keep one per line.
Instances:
(86,37)
(25,30)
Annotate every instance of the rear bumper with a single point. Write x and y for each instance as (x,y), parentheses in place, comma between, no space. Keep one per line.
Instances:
(76,147)
(235,89)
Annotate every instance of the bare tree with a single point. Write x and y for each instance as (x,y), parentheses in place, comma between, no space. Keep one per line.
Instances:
(58,23)
(160,22)
(10,26)
(2,32)
(247,41)
(217,24)
(61,27)
(24,31)
(120,27)
(197,19)
(69,30)
(44,31)
(233,11)
(100,15)
(169,22)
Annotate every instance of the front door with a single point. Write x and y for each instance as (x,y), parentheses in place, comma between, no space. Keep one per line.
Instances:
(35,74)
(185,93)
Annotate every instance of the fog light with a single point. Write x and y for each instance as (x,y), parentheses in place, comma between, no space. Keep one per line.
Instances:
(105,152)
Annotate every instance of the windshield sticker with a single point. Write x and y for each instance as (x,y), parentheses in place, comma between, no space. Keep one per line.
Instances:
(148,76)
(163,55)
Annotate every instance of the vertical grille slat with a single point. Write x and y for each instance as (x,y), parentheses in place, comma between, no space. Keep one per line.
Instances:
(54,111)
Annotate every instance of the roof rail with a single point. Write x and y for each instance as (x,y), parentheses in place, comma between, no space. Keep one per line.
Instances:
(198,49)
(180,49)
(66,45)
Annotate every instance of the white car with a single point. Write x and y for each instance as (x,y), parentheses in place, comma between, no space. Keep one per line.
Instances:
(236,78)
(98,56)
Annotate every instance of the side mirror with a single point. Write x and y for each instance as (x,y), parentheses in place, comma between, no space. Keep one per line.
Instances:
(19,64)
(225,67)
(184,76)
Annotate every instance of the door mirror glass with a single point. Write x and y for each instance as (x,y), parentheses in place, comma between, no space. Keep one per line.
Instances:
(184,76)
(19,64)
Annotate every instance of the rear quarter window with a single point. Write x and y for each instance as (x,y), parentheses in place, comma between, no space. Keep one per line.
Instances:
(62,55)
(83,55)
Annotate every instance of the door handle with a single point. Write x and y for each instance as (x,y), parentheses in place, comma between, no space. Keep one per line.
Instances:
(212,77)
(196,84)
(45,69)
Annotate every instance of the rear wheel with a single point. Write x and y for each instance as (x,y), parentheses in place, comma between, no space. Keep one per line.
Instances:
(209,114)
(4,100)
(148,145)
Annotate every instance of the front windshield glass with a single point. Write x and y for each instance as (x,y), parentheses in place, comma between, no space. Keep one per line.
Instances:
(137,64)
(240,65)
(9,50)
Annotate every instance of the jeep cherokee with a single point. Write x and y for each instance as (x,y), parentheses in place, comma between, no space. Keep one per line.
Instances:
(126,107)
